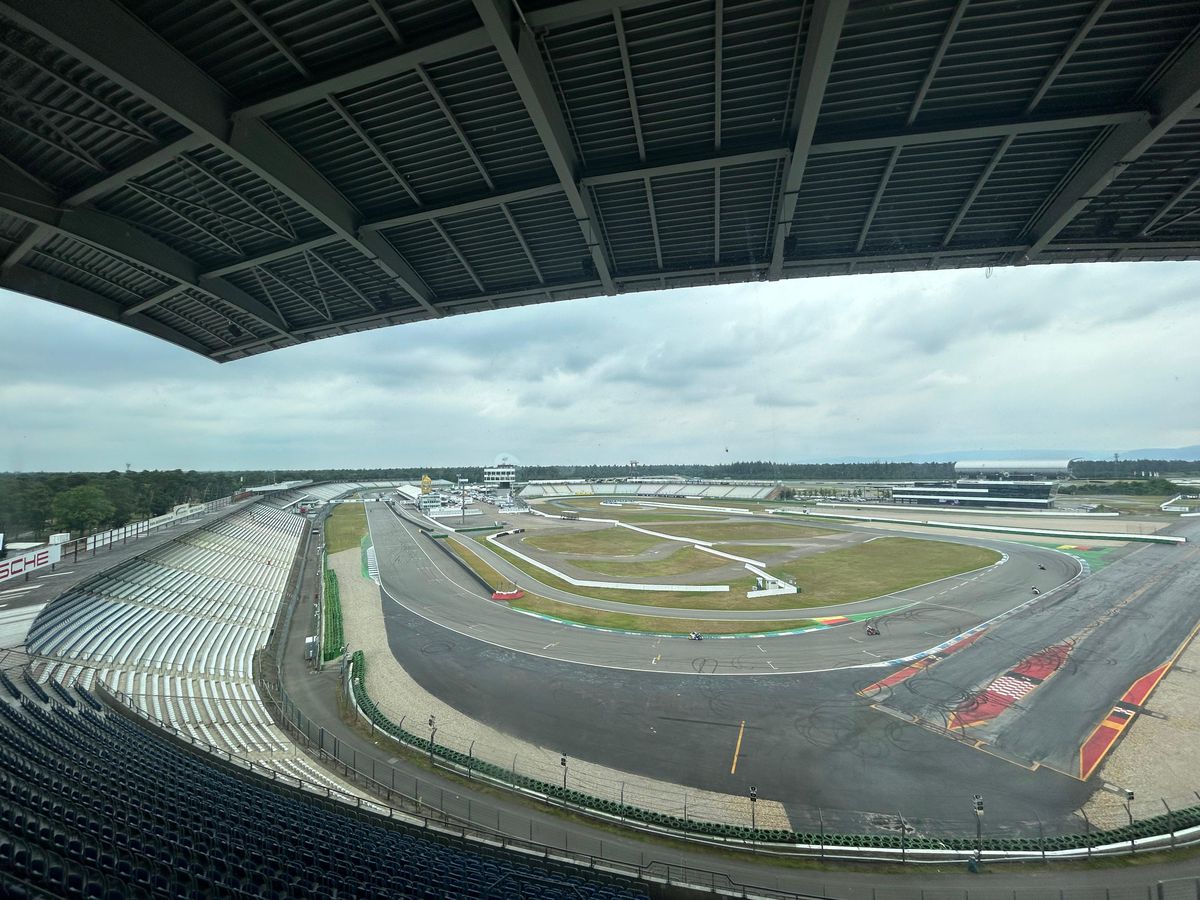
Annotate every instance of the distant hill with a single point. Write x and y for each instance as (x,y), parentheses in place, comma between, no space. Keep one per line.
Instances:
(1191,453)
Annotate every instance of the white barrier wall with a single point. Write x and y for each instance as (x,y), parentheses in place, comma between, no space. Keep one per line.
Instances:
(30,561)
(616,585)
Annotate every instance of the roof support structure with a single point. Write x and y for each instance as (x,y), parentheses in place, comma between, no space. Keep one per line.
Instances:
(512,223)
(653,221)
(716,215)
(25,280)
(374,148)
(824,32)
(718,67)
(630,90)
(22,198)
(523,62)
(1150,227)
(1059,64)
(269,33)
(1174,95)
(350,286)
(454,124)
(903,137)
(155,159)
(913,111)
(111,40)
(470,269)
(878,198)
(35,236)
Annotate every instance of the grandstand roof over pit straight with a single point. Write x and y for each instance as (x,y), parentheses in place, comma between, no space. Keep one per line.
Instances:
(237,178)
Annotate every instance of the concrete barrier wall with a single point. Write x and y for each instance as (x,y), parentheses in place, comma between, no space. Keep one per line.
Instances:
(1001,529)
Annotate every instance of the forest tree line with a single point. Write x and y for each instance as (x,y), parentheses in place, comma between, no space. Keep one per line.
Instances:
(35,504)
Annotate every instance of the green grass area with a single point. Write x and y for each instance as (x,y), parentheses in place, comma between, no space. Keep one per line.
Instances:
(657,624)
(334,636)
(669,599)
(755,551)
(493,578)
(624,621)
(611,541)
(880,566)
(750,530)
(825,579)
(683,561)
(641,516)
(345,527)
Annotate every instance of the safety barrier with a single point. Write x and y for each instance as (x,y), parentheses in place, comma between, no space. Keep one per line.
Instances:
(1170,829)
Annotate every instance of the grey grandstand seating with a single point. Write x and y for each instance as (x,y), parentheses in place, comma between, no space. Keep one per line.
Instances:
(176,629)
(94,805)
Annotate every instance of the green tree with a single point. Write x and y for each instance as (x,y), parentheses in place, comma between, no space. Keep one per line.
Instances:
(83,509)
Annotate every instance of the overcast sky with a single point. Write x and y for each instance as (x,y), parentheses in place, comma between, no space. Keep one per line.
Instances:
(1103,357)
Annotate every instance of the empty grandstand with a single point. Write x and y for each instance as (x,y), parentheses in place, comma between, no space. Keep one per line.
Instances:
(724,490)
(176,629)
(94,805)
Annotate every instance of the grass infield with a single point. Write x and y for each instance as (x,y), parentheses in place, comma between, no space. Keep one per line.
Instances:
(604,541)
(345,527)
(623,621)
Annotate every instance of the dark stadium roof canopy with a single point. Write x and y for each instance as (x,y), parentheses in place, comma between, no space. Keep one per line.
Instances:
(236,176)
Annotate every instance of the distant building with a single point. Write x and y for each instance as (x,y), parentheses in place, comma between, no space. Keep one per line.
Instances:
(1014,469)
(500,478)
(1002,484)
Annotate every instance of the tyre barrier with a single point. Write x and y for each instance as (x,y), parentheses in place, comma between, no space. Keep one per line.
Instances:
(1183,824)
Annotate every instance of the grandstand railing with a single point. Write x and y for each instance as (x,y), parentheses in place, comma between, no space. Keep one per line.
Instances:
(1169,827)
(410,810)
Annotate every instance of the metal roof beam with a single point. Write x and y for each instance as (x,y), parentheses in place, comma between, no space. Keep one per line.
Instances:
(470,269)
(374,148)
(512,223)
(881,140)
(523,61)
(938,56)
(1149,228)
(153,160)
(25,280)
(941,134)
(878,198)
(269,33)
(454,124)
(24,199)
(824,32)
(630,90)
(718,66)
(716,215)
(1173,96)
(106,37)
(653,221)
(1078,38)
(23,246)
(977,187)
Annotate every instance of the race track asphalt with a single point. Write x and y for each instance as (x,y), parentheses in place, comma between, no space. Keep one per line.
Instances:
(671,709)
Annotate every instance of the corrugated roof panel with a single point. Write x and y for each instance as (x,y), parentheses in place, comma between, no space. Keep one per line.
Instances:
(488,242)
(625,213)
(549,227)
(684,208)
(434,260)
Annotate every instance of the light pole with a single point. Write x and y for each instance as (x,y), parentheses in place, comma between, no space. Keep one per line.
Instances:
(753,800)
(432,735)
(1129,812)
(978,802)
(562,761)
